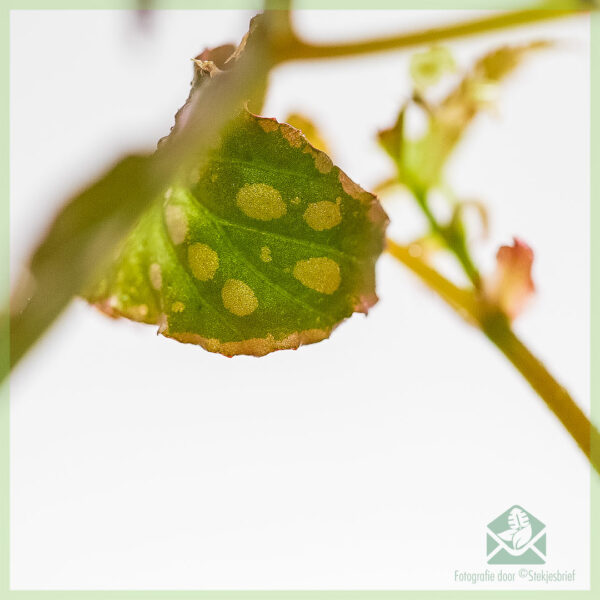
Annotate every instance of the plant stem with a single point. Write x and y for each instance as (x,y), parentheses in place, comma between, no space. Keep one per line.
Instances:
(497,328)
(476,311)
(454,243)
(462,301)
(296,49)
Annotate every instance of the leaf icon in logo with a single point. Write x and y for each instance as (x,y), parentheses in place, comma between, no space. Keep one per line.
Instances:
(507,535)
(521,537)
(520,528)
(517,518)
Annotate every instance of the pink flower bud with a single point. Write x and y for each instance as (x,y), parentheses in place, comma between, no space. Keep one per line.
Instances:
(511,286)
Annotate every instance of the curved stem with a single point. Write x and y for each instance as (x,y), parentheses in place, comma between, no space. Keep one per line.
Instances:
(455,244)
(498,330)
(464,302)
(296,49)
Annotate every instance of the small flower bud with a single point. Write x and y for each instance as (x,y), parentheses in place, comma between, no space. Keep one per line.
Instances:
(511,285)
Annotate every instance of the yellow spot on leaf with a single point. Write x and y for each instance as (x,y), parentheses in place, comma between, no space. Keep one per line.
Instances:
(323,162)
(177,223)
(178,307)
(293,136)
(261,201)
(353,189)
(295,200)
(155,274)
(238,298)
(323,215)
(268,124)
(265,254)
(309,129)
(203,261)
(320,274)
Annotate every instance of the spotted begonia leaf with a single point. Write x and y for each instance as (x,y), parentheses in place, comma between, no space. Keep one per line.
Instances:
(268,246)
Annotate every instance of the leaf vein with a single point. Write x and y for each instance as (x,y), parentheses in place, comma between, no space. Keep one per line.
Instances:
(224,318)
(282,291)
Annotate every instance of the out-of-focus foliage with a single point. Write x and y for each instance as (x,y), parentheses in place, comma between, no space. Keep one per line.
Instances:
(420,161)
(427,68)
(85,233)
(76,244)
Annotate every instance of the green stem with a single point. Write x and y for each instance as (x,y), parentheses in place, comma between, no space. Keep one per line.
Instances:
(497,328)
(462,301)
(455,243)
(296,49)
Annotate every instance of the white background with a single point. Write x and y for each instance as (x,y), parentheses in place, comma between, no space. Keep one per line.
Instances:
(372,460)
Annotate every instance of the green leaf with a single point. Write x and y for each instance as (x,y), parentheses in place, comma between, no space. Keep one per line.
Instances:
(82,239)
(76,246)
(268,246)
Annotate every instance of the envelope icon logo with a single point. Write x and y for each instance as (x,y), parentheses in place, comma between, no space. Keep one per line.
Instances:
(516,537)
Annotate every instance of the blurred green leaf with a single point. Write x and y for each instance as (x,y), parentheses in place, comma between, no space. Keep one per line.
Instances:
(76,243)
(82,239)
(420,162)
(428,67)
(267,246)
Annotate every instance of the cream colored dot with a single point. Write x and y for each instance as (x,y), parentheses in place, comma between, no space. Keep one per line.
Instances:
(265,254)
(239,298)
(261,201)
(168,193)
(203,261)
(323,215)
(320,274)
(138,312)
(177,223)
(178,306)
(323,162)
(155,274)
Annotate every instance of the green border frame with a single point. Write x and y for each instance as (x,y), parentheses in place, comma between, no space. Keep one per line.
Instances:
(5,592)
